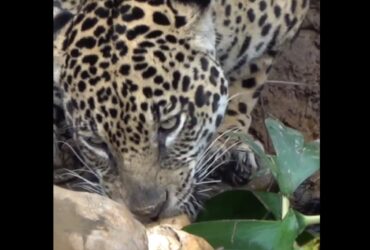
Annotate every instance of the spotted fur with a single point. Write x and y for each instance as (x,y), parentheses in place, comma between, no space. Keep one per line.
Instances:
(147,86)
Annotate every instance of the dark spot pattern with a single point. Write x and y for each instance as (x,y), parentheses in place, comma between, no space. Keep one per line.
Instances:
(249,83)
(160,18)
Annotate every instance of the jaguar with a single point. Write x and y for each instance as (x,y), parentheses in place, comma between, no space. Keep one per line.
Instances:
(146,92)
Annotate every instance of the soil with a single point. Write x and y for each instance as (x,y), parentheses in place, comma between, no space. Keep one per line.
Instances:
(292,95)
(296,102)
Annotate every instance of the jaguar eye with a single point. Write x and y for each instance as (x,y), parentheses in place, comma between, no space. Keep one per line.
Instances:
(169,125)
(170,129)
(95,142)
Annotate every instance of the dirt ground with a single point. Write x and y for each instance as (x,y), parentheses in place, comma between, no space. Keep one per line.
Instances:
(292,95)
(297,101)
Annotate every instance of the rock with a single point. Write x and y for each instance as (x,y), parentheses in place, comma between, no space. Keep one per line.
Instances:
(85,221)
(177,222)
(164,237)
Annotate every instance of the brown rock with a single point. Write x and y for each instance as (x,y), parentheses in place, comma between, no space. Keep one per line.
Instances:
(164,237)
(177,222)
(84,221)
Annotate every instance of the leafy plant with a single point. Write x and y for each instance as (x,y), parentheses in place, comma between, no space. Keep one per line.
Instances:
(243,220)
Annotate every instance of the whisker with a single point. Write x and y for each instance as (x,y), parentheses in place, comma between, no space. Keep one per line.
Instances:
(207,182)
(214,168)
(204,190)
(234,96)
(184,206)
(201,164)
(230,130)
(191,209)
(205,195)
(89,188)
(74,174)
(196,202)
(216,139)
(79,158)
(202,172)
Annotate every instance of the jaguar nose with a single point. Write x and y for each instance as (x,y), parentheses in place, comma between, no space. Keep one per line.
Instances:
(150,204)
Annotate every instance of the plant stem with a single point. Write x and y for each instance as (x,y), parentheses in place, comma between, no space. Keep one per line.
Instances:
(285,206)
(311,219)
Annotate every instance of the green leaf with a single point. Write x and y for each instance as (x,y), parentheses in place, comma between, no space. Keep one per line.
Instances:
(236,204)
(301,221)
(295,160)
(272,202)
(248,234)
(306,220)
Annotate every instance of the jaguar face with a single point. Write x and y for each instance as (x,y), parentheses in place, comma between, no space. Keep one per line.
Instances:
(145,96)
